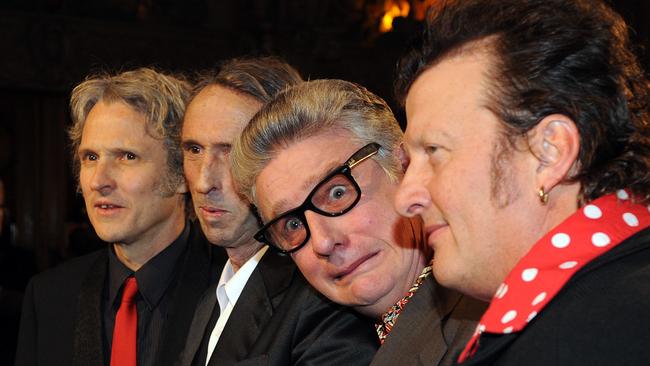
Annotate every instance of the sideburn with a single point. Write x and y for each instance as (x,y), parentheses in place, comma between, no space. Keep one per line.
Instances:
(503,187)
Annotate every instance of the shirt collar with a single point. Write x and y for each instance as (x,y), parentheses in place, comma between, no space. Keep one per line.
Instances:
(231,284)
(153,277)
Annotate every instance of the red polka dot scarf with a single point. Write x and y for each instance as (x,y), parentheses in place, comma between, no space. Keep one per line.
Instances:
(554,259)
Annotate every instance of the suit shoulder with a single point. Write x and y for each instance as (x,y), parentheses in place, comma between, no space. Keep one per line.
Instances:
(68,271)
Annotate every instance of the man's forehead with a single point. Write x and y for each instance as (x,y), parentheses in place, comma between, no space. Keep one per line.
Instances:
(298,167)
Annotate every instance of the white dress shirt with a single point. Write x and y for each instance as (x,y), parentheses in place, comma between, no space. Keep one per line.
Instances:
(230,286)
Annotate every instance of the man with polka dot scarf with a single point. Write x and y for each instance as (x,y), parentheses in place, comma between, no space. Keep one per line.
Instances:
(527,151)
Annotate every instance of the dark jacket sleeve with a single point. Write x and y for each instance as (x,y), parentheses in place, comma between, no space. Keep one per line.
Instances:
(26,350)
(329,334)
(314,331)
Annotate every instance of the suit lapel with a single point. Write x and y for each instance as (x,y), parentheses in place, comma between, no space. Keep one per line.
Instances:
(255,307)
(444,302)
(190,282)
(198,328)
(88,327)
(418,336)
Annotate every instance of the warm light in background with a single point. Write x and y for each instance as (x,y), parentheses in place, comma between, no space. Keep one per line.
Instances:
(392,10)
(401,8)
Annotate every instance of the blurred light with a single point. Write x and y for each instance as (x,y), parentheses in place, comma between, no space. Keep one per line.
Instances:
(392,10)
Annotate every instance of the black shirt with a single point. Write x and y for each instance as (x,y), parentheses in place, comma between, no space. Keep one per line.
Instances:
(153,300)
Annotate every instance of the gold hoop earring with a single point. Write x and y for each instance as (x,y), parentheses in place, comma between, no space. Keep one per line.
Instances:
(543,196)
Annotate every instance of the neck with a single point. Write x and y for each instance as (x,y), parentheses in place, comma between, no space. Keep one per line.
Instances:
(241,254)
(135,254)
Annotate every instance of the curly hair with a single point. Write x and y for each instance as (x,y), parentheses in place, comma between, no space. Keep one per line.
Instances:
(570,57)
(160,97)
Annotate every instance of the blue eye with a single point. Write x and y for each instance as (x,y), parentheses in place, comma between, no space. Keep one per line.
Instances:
(337,192)
(292,224)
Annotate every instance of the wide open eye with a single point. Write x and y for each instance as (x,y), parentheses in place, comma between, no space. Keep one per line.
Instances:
(337,192)
(335,195)
(292,224)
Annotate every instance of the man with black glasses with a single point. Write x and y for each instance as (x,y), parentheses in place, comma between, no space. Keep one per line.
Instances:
(260,310)
(320,163)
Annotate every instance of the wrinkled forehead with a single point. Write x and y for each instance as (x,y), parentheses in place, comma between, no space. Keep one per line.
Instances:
(287,179)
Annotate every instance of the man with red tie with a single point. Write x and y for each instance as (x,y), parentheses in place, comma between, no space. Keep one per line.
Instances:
(132,303)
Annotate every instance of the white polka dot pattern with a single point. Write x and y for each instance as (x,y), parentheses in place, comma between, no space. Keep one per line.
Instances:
(630,219)
(592,212)
(507,317)
(600,240)
(539,298)
(554,259)
(531,316)
(568,265)
(560,240)
(529,274)
(501,291)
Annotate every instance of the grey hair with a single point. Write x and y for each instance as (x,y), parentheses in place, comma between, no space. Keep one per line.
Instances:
(306,110)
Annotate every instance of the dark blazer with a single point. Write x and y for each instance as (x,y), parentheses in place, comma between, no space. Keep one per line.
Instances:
(433,328)
(600,317)
(61,322)
(280,320)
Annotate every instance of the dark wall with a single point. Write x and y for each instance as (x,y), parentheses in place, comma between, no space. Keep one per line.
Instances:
(47,46)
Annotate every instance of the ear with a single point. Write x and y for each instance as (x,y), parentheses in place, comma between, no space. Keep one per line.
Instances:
(555,141)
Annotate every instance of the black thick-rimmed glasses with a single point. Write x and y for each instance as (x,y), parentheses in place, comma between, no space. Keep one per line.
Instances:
(335,195)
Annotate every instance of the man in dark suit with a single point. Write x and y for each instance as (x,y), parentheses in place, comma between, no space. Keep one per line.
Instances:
(321,163)
(262,310)
(132,302)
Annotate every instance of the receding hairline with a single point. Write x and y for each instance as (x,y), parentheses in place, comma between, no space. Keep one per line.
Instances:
(485,46)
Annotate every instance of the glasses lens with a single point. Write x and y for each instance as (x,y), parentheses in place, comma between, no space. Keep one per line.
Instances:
(335,195)
(288,232)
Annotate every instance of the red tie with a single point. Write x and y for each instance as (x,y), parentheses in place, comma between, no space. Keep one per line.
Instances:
(126,327)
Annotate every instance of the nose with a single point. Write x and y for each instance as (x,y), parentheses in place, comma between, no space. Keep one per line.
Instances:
(210,176)
(102,179)
(412,196)
(322,234)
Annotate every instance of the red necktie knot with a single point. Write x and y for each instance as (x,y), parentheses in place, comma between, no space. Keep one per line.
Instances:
(130,290)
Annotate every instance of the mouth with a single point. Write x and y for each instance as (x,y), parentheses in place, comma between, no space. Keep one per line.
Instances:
(352,267)
(432,232)
(212,212)
(106,208)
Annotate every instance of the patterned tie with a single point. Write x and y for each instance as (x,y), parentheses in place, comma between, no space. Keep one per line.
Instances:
(123,351)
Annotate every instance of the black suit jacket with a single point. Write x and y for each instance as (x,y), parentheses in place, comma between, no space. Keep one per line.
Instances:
(280,320)
(600,317)
(433,328)
(61,322)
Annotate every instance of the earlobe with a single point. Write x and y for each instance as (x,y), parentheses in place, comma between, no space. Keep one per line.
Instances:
(555,141)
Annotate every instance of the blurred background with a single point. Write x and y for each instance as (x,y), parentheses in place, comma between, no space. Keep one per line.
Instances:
(48,46)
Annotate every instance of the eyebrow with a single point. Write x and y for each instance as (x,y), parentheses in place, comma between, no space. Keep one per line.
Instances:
(83,151)
(279,208)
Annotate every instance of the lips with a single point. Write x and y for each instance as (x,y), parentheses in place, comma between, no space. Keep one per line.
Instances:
(107,208)
(339,275)
(432,231)
(212,212)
